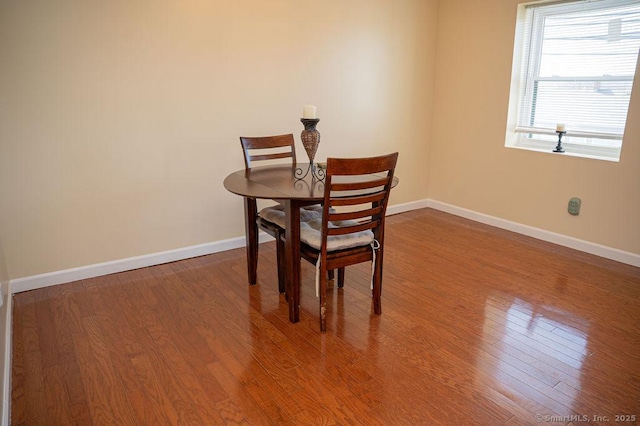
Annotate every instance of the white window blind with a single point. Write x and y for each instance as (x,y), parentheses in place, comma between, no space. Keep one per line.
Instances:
(578,65)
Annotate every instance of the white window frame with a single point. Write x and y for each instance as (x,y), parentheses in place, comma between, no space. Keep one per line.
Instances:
(527,48)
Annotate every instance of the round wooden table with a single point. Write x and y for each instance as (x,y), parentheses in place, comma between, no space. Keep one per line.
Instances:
(280,184)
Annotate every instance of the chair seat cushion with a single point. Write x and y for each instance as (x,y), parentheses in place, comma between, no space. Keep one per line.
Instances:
(311,234)
(311,228)
(275,214)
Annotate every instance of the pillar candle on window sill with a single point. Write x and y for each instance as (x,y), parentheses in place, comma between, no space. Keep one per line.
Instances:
(309,111)
(560,127)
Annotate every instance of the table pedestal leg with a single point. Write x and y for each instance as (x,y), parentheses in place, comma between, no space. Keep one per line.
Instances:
(251,233)
(292,254)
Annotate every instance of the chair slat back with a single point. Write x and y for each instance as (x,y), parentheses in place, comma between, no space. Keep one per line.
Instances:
(264,148)
(357,189)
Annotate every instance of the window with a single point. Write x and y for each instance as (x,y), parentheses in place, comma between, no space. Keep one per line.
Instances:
(574,63)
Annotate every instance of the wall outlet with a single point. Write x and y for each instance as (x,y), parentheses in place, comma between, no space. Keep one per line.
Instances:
(574,206)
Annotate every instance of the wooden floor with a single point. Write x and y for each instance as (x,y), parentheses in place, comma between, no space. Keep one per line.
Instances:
(479,326)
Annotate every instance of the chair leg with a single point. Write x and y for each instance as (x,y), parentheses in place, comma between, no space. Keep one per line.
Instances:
(377,285)
(280,262)
(331,274)
(323,299)
(340,277)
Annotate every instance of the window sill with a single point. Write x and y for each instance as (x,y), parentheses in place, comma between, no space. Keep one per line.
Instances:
(569,152)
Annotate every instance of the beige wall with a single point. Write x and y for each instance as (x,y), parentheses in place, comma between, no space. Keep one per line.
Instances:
(471,168)
(120,119)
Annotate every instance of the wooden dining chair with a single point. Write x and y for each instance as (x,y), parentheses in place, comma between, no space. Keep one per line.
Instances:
(351,229)
(267,148)
(271,219)
(262,149)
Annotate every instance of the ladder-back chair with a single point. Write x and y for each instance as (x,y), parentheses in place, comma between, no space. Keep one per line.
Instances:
(351,229)
(259,150)
(256,150)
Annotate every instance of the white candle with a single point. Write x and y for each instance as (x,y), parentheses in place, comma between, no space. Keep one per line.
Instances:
(560,127)
(309,111)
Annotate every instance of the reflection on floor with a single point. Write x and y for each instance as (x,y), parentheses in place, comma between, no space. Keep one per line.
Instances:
(535,345)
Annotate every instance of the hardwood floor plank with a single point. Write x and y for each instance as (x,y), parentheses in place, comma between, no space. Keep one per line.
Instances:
(57,400)
(479,326)
(146,413)
(100,377)
(66,316)
(229,372)
(151,395)
(28,326)
(18,371)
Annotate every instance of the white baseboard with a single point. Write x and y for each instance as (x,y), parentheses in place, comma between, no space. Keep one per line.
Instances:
(38,281)
(96,270)
(406,207)
(540,234)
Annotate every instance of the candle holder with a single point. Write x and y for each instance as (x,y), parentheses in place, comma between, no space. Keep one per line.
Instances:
(559,145)
(310,141)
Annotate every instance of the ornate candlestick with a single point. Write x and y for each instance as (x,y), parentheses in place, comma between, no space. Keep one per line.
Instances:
(310,140)
(559,146)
